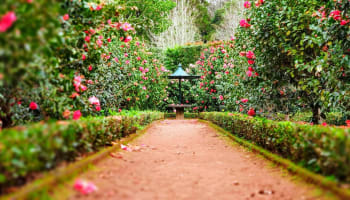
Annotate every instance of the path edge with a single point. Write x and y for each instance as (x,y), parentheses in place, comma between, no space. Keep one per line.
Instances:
(305,174)
(61,175)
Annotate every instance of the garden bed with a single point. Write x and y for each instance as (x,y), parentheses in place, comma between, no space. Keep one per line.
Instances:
(324,150)
(43,146)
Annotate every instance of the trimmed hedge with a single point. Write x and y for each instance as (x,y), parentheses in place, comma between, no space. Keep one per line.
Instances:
(42,146)
(186,115)
(324,150)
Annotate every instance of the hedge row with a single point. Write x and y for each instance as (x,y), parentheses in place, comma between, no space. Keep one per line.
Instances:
(186,115)
(324,150)
(42,146)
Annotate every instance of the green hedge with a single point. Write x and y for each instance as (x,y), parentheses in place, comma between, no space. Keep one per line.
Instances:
(42,146)
(186,115)
(324,150)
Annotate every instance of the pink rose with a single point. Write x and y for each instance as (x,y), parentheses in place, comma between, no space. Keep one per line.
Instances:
(33,105)
(76,115)
(7,20)
(247,4)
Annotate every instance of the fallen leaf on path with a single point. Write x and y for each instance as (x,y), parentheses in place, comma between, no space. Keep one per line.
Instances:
(116,155)
(84,187)
(266,192)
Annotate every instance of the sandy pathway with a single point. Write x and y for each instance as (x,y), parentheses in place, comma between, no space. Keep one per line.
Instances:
(187,160)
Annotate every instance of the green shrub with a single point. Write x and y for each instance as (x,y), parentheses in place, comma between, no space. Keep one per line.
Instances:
(185,55)
(324,150)
(42,146)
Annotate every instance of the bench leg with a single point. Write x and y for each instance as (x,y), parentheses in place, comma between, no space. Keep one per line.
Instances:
(180,113)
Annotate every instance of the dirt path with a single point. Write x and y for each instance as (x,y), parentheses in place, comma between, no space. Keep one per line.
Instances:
(187,160)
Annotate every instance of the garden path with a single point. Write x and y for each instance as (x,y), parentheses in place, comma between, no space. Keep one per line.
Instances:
(186,159)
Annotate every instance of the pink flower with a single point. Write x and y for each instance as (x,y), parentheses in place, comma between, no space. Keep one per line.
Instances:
(344,22)
(99,43)
(251,112)
(94,101)
(65,17)
(221,97)
(76,115)
(250,55)
(251,62)
(126,27)
(109,40)
(98,108)
(116,59)
(144,88)
(247,4)
(244,23)
(84,187)
(87,38)
(336,15)
(83,57)
(242,53)
(128,39)
(90,68)
(249,73)
(250,69)
(244,100)
(127,62)
(98,7)
(347,122)
(33,105)
(7,20)
(29,1)
(324,124)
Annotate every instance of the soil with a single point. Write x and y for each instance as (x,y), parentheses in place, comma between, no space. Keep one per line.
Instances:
(186,159)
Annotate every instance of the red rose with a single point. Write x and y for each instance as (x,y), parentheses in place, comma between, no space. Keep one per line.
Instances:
(76,115)
(251,112)
(33,106)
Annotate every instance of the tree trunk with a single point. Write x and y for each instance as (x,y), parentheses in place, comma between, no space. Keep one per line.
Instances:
(316,114)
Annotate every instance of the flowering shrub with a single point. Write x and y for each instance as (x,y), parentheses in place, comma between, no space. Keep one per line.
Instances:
(302,54)
(60,57)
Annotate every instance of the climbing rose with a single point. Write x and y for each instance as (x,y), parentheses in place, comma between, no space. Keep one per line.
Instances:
(87,38)
(221,97)
(249,73)
(126,27)
(251,62)
(94,101)
(76,115)
(250,55)
(90,68)
(244,23)
(344,22)
(247,4)
(335,14)
(33,106)
(324,124)
(7,20)
(66,17)
(251,112)
(244,100)
(98,108)
(128,39)
(83,57)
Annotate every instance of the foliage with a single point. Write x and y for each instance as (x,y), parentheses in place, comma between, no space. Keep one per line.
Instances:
(185,55)
(324,150)
(42,146)
(26,52)
(302,53)
(61,57)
